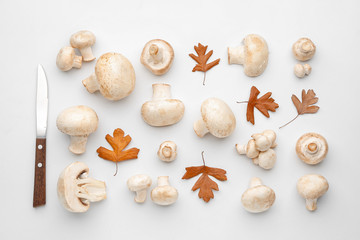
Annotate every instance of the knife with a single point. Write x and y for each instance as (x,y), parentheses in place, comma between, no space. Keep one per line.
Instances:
(41,125)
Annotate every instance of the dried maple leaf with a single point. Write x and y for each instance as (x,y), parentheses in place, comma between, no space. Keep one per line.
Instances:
(204,182)
(308,99)
(263,104)
(118,142)
(202,58)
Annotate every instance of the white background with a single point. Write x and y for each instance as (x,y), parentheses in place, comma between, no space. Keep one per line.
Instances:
(32,32)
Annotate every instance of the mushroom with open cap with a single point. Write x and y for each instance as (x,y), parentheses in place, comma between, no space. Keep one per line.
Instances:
(67,59)
(216,118)
(311,187)
(76,190)
(164,194)
(114,77)
(167,151)
(162,110)
(312,148)
(78,122)
(303,49)
(253,54)
(258,198)
(157,56)
(139,184)
(83,40)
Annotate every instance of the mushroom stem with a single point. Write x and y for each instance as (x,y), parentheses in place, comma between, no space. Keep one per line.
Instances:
(77,62)
(161,91)
(241,149)
(236,55)
(255,182)
(306,47)
(163,181)
(78,144)
(91,84)
(140,196)
(166,151)
(312,148)
(311,204)
(87,54)
(155,53)
(200,128)
(90,190)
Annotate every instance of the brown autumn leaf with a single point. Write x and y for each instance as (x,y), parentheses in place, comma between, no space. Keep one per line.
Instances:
(202,59)
(205,183)
(306,106)
(118,142)
(263,104)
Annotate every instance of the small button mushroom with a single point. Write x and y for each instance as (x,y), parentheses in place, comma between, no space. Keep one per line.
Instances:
(302,70)
(262,142)
(76,190)
(67,59)
(83,40)
(271,135)
(114,77)
(266,159)
(311,187)
(157,56)
(78,122)
(253,54)
(258,198)
(216,118)
(167,151)
(139,184)
(303,49)
(162,110)
(312,148)
(164,194)
(249,149)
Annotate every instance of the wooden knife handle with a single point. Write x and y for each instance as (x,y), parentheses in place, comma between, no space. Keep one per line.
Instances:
(40,173)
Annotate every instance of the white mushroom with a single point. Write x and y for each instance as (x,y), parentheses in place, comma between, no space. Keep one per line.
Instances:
(162,110)
(262,142)
(76,190)
(258,198)
(67,59)
(164,194)
(312,148)
(114,77)
(304,49)
(83,40)
(266,159)
(139,184)
(167,151)
(253,54)
(311,187)
(302,70)
(78,122)
(216,118)
(249,149)
(157,56)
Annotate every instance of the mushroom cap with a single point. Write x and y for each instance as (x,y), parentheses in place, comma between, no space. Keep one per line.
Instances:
(218,117)
(82,39)
(67,187)
(65,58)
(167,151)
(77,121)
(139,182)
(256,55)
(267,159)
(312,148)
(162,112)
(262,142)
(167,60)
(312,186)
(251,151)
(270,134)
(164,195)
(258,199)
(303,49)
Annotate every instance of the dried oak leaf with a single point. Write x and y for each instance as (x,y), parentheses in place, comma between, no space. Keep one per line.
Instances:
(118,142)
(204,182)
(263,104)
(306,106)
(202,58)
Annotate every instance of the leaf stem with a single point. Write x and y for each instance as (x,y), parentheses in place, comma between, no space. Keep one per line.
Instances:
(204,78)
(116,164)
(202,155)
(289,122)
(243,102)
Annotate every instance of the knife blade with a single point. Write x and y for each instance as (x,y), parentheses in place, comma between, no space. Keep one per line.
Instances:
(39,198)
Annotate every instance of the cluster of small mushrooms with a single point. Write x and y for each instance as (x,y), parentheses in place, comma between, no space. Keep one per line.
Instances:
(114,78)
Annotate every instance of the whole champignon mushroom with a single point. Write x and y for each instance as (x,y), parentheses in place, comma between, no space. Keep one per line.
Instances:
(114,77)
(312,148)
(76,190)
(167,151)
(258,198)
(216,118)
(78,122)
(302,70)
(83,40)
(164,194)
(253,54)
(67,59)
(304,49)
(311,187)
(162,110)
(139,184)
(157,56)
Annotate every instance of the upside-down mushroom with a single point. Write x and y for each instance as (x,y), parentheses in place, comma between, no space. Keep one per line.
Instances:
(312,148)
